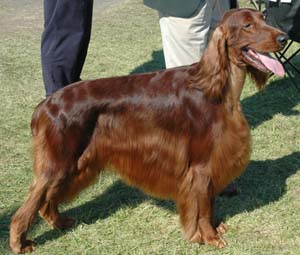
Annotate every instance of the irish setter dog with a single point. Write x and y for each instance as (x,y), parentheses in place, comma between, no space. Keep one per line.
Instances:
(178,134)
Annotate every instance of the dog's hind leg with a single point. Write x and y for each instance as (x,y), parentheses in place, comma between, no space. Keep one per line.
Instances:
(44,196)
(79,177)
(49,211)
(68,188)
(25,215)
(46,186)
(63,191)
(23,218)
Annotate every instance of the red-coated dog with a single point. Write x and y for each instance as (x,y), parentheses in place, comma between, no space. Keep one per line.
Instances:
(178,134)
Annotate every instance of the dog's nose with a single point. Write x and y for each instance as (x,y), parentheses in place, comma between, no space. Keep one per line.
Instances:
(282,39)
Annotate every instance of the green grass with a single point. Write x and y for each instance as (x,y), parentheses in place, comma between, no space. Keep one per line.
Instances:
(113,218)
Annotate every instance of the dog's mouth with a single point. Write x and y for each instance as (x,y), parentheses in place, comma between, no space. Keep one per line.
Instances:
(263,62)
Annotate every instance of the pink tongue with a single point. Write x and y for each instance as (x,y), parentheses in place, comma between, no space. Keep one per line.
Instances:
(272,64)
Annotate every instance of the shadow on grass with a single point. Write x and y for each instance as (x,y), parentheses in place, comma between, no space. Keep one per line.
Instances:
(5,218)
(156,63)
(280,96)
(262,183)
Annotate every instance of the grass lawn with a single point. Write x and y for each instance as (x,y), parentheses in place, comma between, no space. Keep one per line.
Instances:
(113,218)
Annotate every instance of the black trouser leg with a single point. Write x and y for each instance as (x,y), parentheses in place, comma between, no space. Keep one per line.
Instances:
(65,41)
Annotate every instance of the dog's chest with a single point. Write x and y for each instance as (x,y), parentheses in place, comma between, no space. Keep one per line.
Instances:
(231,153)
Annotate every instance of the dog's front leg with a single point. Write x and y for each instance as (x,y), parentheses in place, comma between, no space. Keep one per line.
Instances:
(209,234)
(195,205)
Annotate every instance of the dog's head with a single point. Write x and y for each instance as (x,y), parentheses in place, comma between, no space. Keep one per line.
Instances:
(241,44)
(249,42)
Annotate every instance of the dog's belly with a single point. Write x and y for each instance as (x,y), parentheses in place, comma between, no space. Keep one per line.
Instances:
(153,179)
(147,158)
(149,168)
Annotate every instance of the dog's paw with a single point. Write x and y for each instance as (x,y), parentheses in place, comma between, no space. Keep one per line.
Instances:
(217,241)
(29,246)
(222,228)
(220,242)
(26,246)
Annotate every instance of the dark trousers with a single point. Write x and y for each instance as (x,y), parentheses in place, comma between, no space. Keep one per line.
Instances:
(65,41)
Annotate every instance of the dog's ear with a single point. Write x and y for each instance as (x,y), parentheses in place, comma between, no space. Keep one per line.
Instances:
(212,77)
(217,50)
(260,78)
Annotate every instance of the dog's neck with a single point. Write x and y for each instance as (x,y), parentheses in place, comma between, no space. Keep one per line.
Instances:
(236,80)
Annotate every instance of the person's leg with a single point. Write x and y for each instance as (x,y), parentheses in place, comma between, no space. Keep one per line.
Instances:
(184,39)
(65,40)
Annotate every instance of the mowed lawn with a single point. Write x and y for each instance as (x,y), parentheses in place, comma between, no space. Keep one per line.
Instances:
(113,218)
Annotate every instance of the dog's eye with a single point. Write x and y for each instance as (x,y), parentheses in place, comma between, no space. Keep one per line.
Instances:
(248,25)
